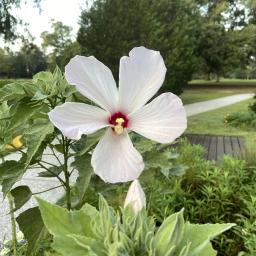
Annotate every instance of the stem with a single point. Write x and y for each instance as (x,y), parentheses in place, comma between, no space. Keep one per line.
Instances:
(65,144)
(48,170)
(14,237)
(47,190)
(55,155)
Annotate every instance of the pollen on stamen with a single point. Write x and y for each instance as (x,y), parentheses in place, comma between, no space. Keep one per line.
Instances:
(119,122)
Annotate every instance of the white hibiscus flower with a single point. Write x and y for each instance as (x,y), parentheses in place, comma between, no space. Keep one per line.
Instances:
(120,109)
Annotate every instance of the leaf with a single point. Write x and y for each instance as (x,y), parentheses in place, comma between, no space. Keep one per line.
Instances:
(39,96)
(86,143)
(10,172)
(83,165)
(176,171)
(68,246)
(13,91)
(61,222)
(32,226)
(34,137)
(169,234)
(21,195)
(59,148)
(23,112)
(91,245)
(200,235)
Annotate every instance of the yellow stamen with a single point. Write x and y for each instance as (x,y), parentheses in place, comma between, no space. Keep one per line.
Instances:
(15,143)
(119,129)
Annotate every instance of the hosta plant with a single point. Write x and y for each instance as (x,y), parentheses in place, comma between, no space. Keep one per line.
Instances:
(106,232)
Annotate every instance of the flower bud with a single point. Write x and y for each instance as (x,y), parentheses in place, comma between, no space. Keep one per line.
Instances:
(135,197)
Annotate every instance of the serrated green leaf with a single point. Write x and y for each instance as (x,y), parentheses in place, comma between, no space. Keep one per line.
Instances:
(20,195)
(39,96)
(32,226)
(13,91)
(34,136)
(10,172)
(23,112)
(83,165)
(86,143)
(58,147)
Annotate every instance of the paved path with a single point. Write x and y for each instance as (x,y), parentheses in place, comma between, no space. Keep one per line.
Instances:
(39,184)
(218,146)
(200,107)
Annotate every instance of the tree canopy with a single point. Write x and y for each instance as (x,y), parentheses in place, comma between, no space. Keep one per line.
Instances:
(8,20)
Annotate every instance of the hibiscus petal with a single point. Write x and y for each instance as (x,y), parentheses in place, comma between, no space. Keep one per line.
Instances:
(94,80)
(75,119)
(141,75)
(163,119)
(115,159)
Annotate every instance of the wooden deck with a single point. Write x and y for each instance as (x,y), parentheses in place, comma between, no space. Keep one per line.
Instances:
(218,146)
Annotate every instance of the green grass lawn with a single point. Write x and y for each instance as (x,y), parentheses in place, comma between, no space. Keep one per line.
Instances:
(197,95)
(212,122)
(232,82)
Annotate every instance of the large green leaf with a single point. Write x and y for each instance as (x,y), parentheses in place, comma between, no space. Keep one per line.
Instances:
(34,136)
(83,165)
(169,234)
(107,232)
(32,226)
(200,236)
(60,222)
(21,195)
(13,91)
(10,172)
(17,91)
(23,112)
(86,143)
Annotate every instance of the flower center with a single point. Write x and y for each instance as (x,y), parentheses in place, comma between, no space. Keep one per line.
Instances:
(119,122)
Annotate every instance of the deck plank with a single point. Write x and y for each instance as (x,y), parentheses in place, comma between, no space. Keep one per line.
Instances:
(227,146)
(212,149)
(235,146)
(218,146)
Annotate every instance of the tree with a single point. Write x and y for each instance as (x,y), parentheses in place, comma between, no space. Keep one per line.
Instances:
(6,61)
(25,63)
(32,58)
(60,44)
(111,28)
(8,21)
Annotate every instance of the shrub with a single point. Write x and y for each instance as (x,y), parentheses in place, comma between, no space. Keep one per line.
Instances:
(252,106)
(241,119)
(211,193)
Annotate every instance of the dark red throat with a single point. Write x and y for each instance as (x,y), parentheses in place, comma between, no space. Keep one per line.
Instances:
(112,119)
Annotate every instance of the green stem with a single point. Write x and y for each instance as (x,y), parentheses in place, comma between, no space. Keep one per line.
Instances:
(65,144)
(37,193)
(14,236)
(55,175)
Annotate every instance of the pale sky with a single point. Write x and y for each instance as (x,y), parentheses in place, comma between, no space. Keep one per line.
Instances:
(67,11)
